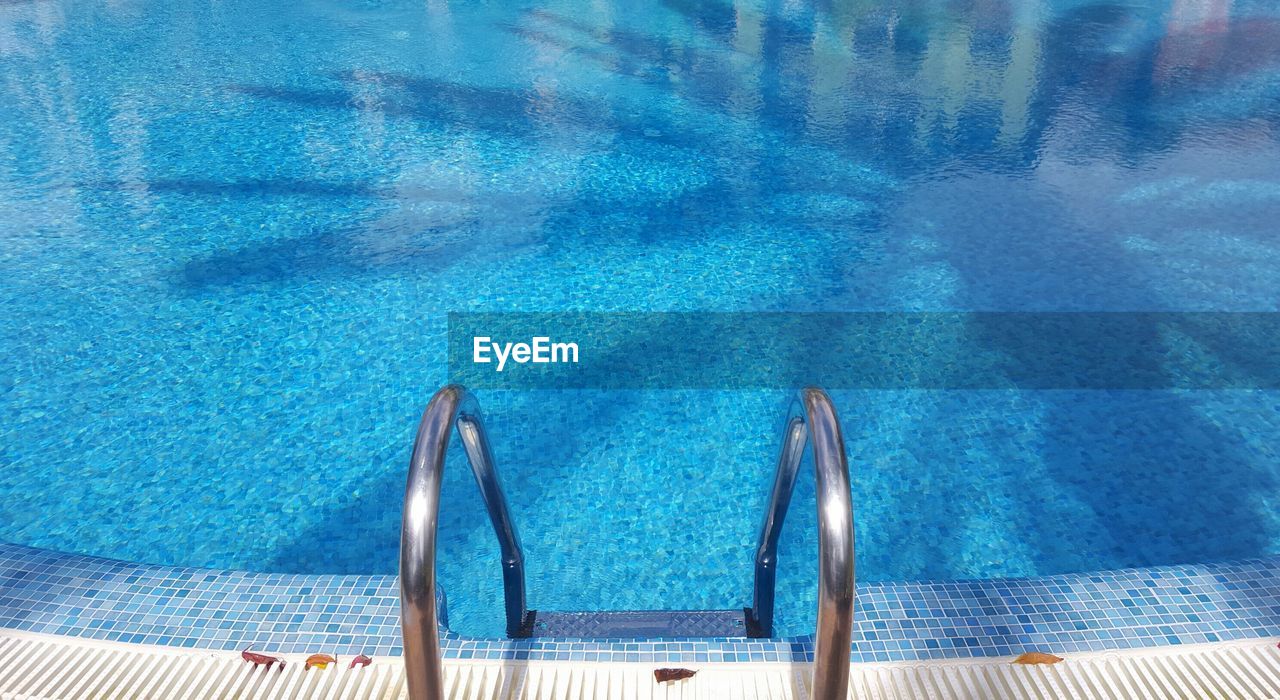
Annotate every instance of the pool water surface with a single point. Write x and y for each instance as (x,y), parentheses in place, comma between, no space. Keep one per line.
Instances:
(230,231)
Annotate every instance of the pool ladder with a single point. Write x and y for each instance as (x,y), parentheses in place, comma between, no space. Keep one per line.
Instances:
(811,419)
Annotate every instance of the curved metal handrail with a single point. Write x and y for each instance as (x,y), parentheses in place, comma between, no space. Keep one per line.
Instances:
(452,405)
(812,415)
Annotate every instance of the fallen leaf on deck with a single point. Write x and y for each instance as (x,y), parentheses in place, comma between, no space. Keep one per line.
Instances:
(670,675)
(320,661)
(257,659)
(1037,657)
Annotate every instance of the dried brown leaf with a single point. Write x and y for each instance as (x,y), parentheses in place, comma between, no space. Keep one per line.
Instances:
(1037,657)
(671,675)
(320,661)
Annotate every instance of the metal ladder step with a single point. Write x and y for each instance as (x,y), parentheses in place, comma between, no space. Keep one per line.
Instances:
(639,623)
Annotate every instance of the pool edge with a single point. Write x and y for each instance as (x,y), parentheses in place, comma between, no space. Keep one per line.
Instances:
(93,598)
(50,666)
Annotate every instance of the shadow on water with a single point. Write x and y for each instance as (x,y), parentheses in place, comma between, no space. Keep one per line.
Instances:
(520,113)
(425,228)
(478,220)
(274,187)
(328,253)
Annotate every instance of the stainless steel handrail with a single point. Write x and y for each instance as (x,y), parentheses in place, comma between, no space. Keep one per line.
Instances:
(452,405)
(811,419)
(812,415)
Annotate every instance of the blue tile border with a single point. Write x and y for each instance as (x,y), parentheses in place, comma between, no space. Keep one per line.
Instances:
(94,598)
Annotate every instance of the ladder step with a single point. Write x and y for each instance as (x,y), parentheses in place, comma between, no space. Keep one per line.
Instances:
(639,623)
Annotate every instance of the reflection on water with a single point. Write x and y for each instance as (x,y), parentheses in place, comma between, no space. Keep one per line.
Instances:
(231,230)
(917,89)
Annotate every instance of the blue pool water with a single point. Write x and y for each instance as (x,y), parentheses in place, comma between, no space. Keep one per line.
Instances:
(230,231)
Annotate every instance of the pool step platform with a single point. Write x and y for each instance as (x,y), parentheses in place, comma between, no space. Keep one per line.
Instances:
(49,667)
(645,624)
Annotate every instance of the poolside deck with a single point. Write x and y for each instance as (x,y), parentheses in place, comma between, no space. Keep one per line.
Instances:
(55,667)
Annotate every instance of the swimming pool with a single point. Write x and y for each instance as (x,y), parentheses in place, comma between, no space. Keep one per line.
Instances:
(232,230)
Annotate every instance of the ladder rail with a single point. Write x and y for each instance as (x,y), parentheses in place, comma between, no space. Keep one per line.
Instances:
(420,625)
(812,419)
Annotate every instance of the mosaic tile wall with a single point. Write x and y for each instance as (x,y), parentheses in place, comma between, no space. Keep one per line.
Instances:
(54,593)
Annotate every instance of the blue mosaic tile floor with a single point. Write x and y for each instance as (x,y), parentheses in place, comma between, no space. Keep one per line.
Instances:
(90,597)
